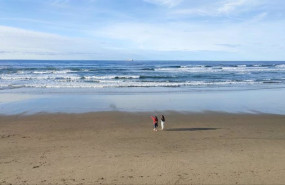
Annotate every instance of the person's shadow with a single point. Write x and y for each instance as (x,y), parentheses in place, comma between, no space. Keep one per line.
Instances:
(190,129)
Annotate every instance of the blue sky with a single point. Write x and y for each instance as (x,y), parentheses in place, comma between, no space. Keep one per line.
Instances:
(143,29)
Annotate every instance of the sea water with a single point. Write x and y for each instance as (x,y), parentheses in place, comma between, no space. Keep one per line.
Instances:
(108,74)
(31,86)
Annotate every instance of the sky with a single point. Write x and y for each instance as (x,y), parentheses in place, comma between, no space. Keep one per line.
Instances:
(142,29)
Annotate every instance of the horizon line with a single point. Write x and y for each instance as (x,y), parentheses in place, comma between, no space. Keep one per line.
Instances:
(143,60)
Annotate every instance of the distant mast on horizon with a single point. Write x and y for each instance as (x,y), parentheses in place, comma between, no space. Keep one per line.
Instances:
(131,60)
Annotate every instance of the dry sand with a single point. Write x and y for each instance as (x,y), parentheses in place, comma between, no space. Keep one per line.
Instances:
(121,148)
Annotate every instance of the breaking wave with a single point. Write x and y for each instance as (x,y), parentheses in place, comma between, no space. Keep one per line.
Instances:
(104,74)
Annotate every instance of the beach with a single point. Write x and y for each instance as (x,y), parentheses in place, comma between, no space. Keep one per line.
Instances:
(85,86)
(121,148)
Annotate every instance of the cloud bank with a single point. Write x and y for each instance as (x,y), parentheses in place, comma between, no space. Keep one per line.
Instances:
(146,29)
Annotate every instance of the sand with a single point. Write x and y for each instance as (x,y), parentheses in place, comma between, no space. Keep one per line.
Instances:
(121,148)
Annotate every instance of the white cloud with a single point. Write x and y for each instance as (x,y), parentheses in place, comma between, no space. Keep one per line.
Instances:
(167,3)
(218,8)
(231,5)
(59,3)
(21,44)
(169,37)
(248,39)
(15,38)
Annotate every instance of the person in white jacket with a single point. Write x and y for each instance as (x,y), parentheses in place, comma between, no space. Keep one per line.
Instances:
(162,123)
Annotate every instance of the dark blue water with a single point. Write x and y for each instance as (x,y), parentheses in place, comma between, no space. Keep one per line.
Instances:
(115,74)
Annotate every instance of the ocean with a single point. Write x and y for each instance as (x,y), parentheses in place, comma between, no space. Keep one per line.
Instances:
(32,86)
(117,74)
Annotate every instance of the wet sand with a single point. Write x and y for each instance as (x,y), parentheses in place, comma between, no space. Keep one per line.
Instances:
(121,148)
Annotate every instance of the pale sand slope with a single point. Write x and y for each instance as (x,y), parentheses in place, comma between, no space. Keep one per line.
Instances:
(116,148)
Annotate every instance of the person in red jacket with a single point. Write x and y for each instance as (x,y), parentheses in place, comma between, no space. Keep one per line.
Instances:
(155,122)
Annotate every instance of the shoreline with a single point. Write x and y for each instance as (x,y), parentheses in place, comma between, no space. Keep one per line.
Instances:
(246,101)
(159,112)
(121,148)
